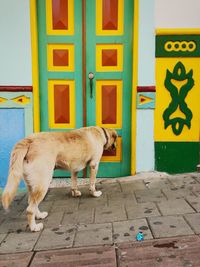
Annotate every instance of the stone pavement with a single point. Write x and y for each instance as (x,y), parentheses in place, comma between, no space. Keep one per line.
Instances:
(102,231)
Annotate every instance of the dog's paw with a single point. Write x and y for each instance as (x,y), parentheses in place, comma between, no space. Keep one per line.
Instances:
(36,227)
(76,193)
(41,215)
(95,193)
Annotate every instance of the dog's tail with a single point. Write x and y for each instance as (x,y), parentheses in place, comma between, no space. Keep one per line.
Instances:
(15,171)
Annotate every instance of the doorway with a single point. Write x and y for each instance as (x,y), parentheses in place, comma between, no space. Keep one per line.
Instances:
(85,71)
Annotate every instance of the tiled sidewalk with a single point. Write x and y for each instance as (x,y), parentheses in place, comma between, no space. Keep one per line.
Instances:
(166,207)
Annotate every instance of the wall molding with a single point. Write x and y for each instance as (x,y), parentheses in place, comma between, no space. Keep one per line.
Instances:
(149,88)
(11,88)
(177,31)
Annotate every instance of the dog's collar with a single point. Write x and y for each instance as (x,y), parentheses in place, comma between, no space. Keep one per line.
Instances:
(106,136)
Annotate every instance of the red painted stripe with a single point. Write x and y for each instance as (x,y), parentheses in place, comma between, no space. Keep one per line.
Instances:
(10,88)
(146,88)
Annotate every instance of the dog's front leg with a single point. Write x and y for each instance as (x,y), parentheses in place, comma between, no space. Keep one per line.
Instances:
(93,173)
(74,187)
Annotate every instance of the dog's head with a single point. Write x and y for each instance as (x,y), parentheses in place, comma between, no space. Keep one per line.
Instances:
(111,140)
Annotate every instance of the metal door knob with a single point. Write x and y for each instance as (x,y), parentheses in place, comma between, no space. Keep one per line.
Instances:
(91,77)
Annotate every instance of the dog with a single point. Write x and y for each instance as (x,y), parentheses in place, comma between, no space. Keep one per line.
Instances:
(34,158)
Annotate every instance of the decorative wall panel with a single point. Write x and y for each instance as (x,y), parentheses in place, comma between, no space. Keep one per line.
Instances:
(177,113)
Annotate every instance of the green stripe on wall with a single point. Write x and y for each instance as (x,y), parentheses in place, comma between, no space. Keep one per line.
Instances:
(182,45)
(176,157)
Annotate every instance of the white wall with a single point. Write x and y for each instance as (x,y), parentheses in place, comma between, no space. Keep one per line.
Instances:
(15,44)
(177,13)
(146,77)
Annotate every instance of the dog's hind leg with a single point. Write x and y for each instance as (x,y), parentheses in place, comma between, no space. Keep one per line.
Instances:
(37,193)
(38,214)
(93,173)
(74,187)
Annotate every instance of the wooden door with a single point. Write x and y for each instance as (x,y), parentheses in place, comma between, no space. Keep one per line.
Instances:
(79,40)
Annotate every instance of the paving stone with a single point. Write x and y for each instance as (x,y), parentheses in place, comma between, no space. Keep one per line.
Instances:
(142,210)
(111,189)
(121,199)
(93,234)
(18,205)
(194,202)
(54,219)
(193,220)
(46,206)
(2,236)
(128,187)
(13,225)
(80,216)
(168,226)
(19,197)
(19,259)
(24,201)
(110,214)
(91,202)
(59,237)
(196,177)
(177,193)
(158,183)
(13,212)
(170,252)
(1,218)
(19,242)
(65,205)
(103,256)
(172,207)
(195,189)
(182,181)
(57,194)
(149,195)
(126,231)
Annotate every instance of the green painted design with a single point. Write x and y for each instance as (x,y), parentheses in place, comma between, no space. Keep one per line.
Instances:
(176,157)
(178,98)
(178,45)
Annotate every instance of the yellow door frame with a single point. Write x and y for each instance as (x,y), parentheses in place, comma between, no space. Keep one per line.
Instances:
(35,75)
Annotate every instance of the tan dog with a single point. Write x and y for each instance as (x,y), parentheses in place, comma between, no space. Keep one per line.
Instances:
(36,156)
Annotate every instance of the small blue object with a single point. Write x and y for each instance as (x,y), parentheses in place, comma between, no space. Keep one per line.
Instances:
(139,236)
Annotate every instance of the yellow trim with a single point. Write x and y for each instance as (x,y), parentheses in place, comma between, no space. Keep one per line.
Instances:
(69,47)
(99,84)
(22,100)
(118,156)
(99,16)
(35,68)
(134,86)
(99,48)
(179,31)
(52,123)
(3,100)
(49,21)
